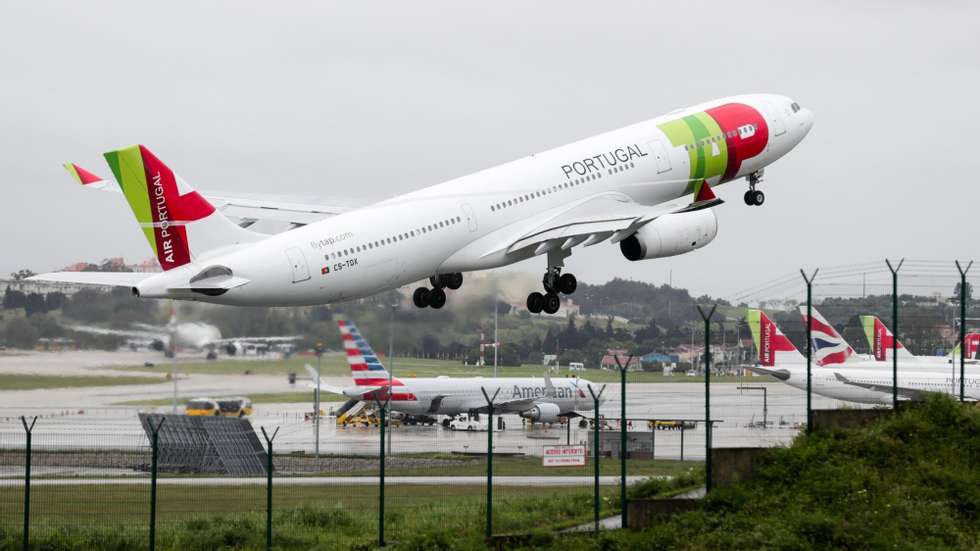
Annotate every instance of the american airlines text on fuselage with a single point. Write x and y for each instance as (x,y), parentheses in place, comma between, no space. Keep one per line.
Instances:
(604,160)
(540,391)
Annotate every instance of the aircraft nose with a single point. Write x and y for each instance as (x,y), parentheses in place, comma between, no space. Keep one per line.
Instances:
(807,120)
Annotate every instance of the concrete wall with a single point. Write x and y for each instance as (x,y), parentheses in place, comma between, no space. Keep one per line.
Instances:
(730,465)
(843,418)
(642,513)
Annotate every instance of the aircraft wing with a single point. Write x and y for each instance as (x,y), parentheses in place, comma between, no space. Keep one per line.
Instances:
(129,333)
(246,208)
(906,392)
(258,340)
(115,279)
(611,216)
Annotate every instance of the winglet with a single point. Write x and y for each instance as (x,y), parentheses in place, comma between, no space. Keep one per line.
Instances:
(85,177)
(704,198)
(704,192)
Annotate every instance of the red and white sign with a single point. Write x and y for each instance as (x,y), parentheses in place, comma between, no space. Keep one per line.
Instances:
(563,456)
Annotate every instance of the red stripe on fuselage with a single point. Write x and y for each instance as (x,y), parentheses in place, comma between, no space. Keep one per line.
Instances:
(378,381)
(730,117)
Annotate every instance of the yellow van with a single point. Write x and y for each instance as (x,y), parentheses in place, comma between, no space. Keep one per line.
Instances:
(202,406)
(235,407)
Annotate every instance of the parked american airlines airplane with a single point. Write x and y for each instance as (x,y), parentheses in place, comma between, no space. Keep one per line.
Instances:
(868,382)
(532,398)
(645,187)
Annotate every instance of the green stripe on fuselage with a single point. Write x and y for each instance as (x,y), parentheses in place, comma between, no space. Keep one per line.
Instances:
(127,166)
(690,130)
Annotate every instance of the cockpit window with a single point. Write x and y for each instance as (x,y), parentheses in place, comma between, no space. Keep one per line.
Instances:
(795,106)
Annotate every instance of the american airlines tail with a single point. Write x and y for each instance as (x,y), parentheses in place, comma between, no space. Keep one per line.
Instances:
(178,222)
(365,367)
(771,344)
(829,347)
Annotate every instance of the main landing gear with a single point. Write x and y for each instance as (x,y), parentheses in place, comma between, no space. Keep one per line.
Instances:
(436,296)
(554,282)
(754,197)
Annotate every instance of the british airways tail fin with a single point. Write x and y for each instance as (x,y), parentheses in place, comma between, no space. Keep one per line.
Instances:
(829,347)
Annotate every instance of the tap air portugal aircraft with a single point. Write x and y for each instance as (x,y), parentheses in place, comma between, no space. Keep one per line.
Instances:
(536,399)
(881,339)
(868,382)
(646,187)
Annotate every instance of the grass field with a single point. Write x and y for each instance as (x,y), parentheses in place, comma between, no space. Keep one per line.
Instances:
(30,382)
(336,366)
(532,466)
(211,517)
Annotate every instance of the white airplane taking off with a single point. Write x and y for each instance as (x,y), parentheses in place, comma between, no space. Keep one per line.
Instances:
(863,381)
(645,187)
(532,398)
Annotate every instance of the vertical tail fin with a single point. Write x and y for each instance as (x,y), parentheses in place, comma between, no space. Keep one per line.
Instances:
(178,222)
(365,367)
(829,347)
(880,339)
(770,343)
(972,347)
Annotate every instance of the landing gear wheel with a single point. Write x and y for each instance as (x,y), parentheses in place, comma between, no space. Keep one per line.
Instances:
(748,197)
(567,284)
(535,302)
(551,303)
(454,281)
(758,198)
(437,298)
(436,281)
(421,297)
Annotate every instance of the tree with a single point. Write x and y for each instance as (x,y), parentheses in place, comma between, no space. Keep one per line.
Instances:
(21,275)
(13,298)
(20,333)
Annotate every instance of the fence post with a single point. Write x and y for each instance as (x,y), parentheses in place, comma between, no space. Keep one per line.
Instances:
(381,468)
(894,271)
(489,400)
(27,480)
(809,347)
(682,440)
(964,294)
(707,394)
(154,433)
(268,488)
(595,455)
(622,433)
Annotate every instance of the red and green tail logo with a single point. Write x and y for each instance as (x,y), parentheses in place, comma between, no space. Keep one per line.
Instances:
(769,340)
(162,202)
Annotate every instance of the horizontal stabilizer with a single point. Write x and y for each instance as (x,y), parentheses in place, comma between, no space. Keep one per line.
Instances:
(111,279)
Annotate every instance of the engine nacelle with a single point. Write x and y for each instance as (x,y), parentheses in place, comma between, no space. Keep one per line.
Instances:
(671,235)
(542,413)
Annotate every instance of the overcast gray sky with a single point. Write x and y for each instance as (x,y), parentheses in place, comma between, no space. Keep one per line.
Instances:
(366,100)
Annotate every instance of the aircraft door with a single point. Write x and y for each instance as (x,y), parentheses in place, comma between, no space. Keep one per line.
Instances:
(301,271)
(660,152)
(469,215)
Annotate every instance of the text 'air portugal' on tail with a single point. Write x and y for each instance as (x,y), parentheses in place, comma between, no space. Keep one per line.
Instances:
(178,222)
(771,344)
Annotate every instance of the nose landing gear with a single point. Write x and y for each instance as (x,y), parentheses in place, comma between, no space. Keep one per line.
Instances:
(436,296)
(754,197)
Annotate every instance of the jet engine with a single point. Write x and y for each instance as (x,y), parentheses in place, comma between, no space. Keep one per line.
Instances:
(671,235)
(542,413)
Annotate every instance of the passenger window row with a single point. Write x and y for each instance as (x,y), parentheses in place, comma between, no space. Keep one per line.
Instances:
(546,191)
(718,138)
(384,242)
(620,168)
